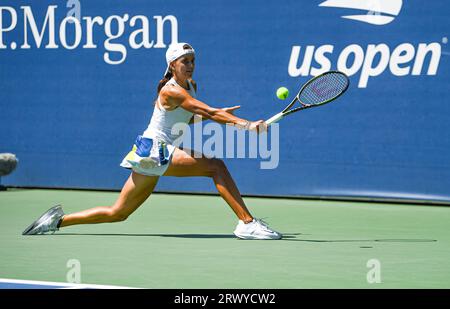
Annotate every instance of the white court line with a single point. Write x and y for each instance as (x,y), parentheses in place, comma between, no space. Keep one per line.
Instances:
(63,285)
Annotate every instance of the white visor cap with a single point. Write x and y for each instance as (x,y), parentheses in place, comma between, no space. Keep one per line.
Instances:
(176,51)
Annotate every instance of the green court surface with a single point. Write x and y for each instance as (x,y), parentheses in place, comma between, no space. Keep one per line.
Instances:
(186,241)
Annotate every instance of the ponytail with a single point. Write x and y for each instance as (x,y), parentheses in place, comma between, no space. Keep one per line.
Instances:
(164,81)
(170,57)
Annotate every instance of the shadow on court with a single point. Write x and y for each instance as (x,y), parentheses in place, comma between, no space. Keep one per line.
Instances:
(287,237)
(365,240)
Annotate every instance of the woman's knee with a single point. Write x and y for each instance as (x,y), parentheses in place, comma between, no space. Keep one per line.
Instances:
(116,215)
(217,166)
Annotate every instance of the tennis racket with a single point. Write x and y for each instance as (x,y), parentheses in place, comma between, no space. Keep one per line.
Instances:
(319,90)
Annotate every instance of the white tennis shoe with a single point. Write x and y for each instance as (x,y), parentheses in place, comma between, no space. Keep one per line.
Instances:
(257,229)
(48,222)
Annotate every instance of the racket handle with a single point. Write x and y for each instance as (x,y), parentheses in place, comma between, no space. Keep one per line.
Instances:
(275,118)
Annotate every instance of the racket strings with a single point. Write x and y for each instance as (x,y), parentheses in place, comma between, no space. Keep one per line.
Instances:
(323,89)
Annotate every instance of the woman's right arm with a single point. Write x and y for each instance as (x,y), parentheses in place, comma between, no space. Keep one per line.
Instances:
(178,97)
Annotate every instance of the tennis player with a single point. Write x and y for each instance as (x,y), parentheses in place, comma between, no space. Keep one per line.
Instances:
(154,155)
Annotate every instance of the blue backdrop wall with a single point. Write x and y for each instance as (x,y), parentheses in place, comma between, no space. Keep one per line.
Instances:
(78,80)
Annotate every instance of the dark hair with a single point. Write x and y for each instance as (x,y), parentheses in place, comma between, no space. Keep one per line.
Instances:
(169,74)
(164,81)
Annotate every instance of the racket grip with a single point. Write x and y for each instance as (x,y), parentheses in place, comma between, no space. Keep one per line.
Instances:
(275,118)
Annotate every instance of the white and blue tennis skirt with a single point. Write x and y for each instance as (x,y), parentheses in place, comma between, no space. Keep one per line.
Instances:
(149,156)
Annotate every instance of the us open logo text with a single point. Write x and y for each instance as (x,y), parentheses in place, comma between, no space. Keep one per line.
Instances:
(369,60)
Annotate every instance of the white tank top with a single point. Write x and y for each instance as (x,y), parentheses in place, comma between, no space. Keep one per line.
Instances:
(162,120)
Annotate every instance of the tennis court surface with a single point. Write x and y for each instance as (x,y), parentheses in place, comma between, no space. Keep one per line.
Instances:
(186,241)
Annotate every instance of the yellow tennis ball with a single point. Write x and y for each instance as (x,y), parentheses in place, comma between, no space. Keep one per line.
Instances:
(282,93)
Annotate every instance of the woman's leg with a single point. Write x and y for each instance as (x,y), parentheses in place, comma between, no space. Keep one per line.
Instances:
(135,191)
(185,165)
